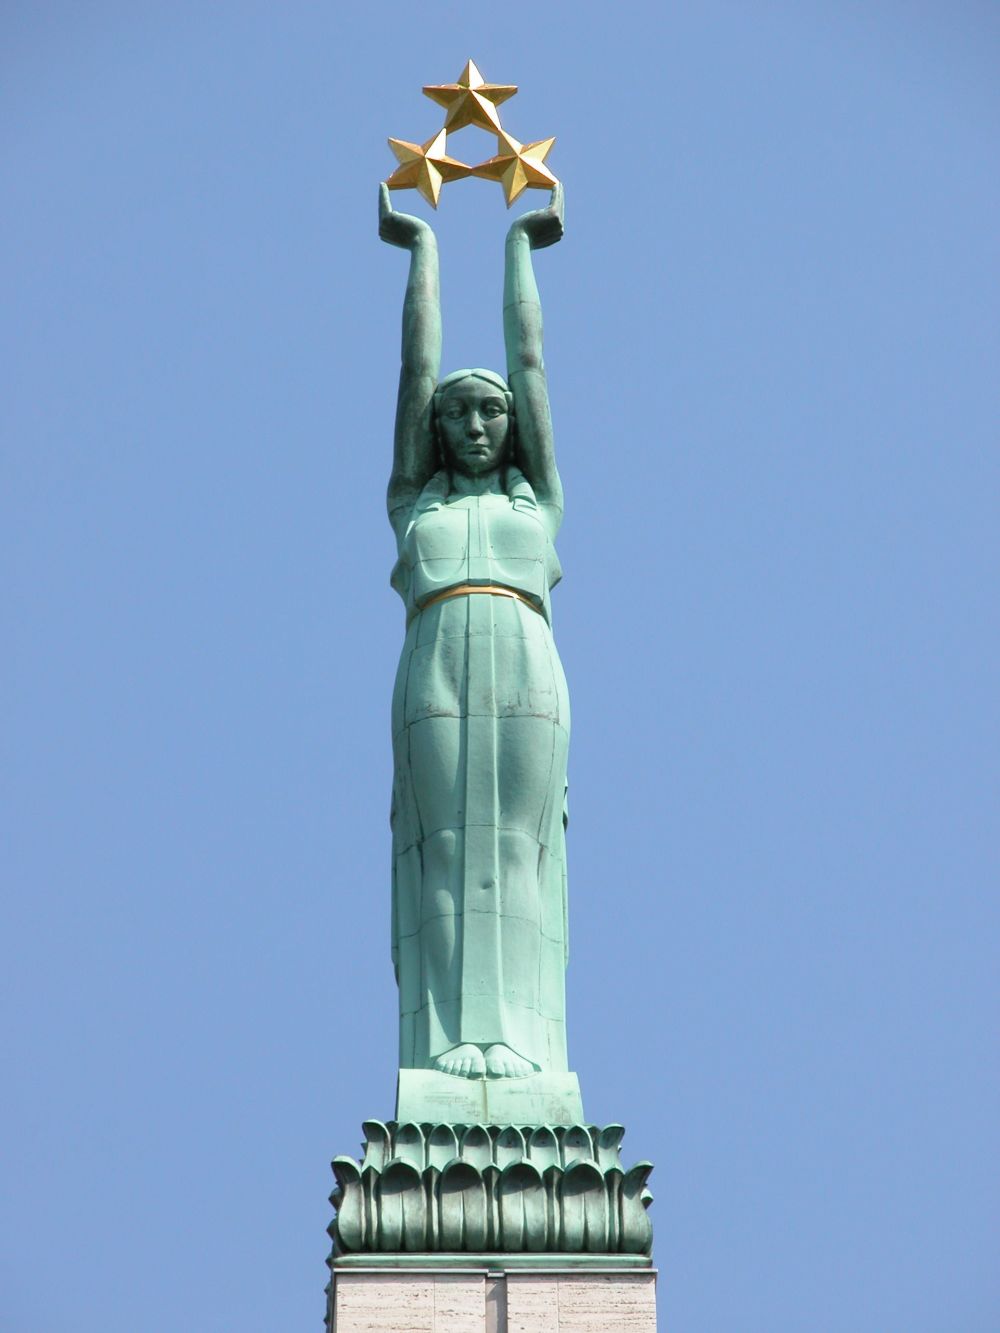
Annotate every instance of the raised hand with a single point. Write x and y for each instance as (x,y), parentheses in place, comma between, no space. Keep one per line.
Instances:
(399,228)
(545,225)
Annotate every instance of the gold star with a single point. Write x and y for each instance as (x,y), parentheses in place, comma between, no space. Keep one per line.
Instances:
(424,167)
(470,101)
(518,166)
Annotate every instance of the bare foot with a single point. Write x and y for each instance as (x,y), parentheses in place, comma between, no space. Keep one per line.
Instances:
(502,1062)
(465,1061)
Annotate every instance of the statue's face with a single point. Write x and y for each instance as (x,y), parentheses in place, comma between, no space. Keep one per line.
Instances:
(474,426)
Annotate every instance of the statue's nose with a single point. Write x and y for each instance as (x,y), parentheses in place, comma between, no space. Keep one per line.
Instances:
(475,427)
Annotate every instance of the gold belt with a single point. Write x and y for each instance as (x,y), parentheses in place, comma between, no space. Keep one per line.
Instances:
(464,589)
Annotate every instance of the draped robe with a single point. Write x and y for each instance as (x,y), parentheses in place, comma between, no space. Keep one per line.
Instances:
(480,722)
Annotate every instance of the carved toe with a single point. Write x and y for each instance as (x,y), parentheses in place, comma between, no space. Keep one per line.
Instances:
(462,1061)
(502,1062)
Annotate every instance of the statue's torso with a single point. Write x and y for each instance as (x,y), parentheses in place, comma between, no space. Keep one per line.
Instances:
(480,724)
(499,539)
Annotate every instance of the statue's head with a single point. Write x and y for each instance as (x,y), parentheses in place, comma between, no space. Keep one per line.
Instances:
(474,419)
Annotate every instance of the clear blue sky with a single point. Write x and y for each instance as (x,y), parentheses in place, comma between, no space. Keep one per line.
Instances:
(772,346)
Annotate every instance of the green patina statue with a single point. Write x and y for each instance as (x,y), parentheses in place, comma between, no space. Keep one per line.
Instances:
(480,713)
(489,1160)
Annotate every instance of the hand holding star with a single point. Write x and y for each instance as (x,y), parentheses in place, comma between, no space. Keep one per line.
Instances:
(543,226)
(400,229)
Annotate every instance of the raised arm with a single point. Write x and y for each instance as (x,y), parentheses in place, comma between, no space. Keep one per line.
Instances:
(415,454)
(522,327)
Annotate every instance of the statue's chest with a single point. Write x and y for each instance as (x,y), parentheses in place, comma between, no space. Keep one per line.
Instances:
(483,527)
(482,539)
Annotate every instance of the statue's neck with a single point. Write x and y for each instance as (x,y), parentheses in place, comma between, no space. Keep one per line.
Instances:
(490,484)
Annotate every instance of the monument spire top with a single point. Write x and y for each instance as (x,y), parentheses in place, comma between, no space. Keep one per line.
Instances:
(470,100)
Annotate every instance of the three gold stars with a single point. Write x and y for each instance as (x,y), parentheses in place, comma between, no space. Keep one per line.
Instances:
(471,101)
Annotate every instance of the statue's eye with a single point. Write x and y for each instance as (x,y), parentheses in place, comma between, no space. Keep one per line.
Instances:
(493,410)
(454,413)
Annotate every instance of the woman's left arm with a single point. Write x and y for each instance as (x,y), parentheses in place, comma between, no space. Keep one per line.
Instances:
(522,327)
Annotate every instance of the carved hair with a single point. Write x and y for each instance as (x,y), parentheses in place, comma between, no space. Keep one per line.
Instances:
(490,376)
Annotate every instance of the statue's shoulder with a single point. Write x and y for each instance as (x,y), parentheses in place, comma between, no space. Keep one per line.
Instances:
(406,507)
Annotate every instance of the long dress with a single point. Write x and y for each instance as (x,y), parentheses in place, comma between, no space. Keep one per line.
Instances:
(480,723)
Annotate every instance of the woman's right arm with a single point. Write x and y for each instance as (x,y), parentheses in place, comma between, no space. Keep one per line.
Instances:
(415,457)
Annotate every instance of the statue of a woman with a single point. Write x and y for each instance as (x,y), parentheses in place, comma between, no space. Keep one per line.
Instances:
(480,714)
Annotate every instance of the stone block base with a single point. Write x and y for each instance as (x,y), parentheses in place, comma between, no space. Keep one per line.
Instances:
(484,1301)
(424,1095)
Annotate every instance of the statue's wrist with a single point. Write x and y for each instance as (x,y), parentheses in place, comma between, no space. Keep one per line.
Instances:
(423,251)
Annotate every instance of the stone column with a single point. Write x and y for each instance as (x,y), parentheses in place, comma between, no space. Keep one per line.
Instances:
(486,1299)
